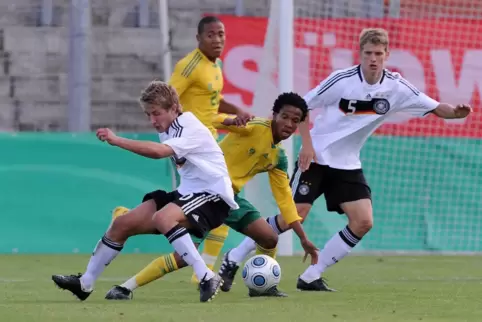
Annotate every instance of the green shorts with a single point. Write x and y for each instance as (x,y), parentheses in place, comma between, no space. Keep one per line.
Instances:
(238,219)
(241,218)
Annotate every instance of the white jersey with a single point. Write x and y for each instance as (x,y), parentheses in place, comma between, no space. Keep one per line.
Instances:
(351,110)
(198,159)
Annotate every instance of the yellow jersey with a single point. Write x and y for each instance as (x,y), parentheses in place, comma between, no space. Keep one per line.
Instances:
(199,82)
(250,150)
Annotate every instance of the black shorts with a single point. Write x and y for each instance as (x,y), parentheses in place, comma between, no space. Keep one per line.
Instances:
(203,210)
(338,185)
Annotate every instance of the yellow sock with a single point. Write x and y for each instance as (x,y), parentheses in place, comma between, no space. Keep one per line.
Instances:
(213,244)
(263,251)
(156,269)
(119,211)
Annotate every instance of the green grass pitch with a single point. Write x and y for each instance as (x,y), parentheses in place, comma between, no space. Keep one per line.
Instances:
(370,288)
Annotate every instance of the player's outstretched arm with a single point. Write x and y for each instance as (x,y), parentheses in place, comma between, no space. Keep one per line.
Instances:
(228,108)
(447,111)
(420,104)
(230,124)
(147,149)
(280,187)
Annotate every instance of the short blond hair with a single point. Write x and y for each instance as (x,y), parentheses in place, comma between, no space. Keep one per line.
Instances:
(375,36)
(160,94)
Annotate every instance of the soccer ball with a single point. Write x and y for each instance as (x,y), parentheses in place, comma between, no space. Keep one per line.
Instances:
(261,272)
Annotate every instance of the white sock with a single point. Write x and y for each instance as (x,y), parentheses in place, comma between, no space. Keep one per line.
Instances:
(105,251)
(248,245)
(239,253)
(335,249)
(209,259)
(130,284)
(182,243)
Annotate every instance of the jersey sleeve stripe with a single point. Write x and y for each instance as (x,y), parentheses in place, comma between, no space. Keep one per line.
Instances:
(261,119)
(333,80)
(410,86)
(404,82)
(178,128)
(191,65)
(390,76)
(175,128)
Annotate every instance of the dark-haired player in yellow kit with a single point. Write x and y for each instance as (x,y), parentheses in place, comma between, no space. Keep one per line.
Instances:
(250,150)
(198,80)
(198,77)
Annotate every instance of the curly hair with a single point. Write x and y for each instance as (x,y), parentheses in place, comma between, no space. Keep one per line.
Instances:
(292,99)
(160,94)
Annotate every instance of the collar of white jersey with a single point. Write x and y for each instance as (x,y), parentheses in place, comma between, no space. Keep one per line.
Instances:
(362,79)
(175,125)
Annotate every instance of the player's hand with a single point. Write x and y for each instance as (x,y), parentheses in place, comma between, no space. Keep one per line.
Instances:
(462,110)
(106,135)
(310,249)
(242,118)
(307,154)
(229,121)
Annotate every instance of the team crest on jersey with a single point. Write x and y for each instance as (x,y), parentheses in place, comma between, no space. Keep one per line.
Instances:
(381,106)
(304,189)
(251,151)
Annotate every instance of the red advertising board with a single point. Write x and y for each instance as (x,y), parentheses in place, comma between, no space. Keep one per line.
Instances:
(442,57)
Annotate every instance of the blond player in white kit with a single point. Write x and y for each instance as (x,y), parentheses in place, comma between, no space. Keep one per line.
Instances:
(353,103)
(200,203)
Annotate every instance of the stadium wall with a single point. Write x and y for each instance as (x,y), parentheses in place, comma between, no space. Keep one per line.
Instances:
(57,191)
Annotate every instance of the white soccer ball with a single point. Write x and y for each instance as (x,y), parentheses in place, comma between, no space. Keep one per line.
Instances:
(261,273)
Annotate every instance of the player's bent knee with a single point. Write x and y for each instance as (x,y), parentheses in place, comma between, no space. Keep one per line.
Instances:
(365,225)
(269,241)
(122,228)
(361,226)
(163,222)
(262,234)
(168,217)
(360,216)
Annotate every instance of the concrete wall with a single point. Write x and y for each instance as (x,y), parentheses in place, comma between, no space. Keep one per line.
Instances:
(34,58)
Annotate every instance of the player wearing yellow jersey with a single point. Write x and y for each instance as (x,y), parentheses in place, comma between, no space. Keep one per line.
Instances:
(198,77)
(250,150)
(198,80)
